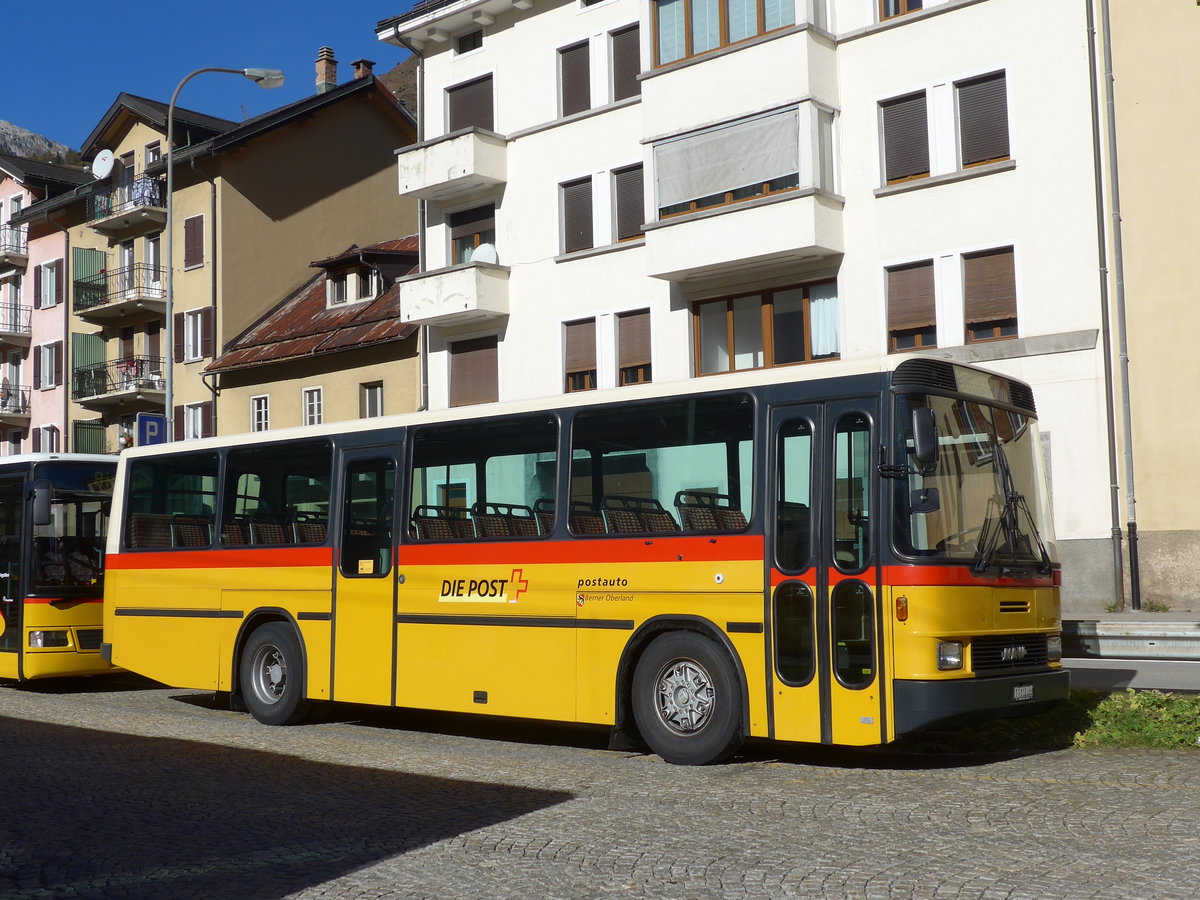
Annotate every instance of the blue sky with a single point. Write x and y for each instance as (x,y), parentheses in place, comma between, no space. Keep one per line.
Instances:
(66,70)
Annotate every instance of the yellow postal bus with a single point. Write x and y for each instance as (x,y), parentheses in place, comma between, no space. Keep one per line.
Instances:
(835,560)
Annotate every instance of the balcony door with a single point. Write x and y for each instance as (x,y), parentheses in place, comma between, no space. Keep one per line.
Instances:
(125,269)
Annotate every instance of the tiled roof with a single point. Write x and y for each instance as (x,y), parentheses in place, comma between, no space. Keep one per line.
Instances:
(27,170)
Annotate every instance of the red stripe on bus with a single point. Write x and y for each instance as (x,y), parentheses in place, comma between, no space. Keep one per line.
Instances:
(258,558)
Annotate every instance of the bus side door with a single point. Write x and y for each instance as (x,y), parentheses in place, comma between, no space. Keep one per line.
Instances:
(364,609)
(12,506)
(824,610)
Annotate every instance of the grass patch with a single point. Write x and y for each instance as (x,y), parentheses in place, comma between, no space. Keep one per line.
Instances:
(1085,719)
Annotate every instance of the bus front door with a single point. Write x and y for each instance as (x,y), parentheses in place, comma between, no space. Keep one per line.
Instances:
(825,677)
(12,505)
(364,618)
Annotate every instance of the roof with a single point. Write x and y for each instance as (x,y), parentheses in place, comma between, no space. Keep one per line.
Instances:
(43,174)
(303,326)
(154,112)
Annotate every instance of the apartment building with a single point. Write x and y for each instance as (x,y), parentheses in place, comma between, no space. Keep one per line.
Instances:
(630,190)
(253,203)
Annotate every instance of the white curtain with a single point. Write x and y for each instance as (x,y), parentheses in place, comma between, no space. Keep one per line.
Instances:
(823,306)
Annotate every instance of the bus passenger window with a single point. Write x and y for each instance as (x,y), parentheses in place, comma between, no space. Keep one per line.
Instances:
(793,516)
(852,492)
(171,502)
(369,491)
(278,494)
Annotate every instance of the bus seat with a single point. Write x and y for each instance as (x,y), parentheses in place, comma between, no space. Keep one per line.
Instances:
(267,532)
(309,529)
(586,519)
(150,530)
(626,515)
(697,510)
(543,512)
(235,532)
(189,531)
(504,520)
(441,523)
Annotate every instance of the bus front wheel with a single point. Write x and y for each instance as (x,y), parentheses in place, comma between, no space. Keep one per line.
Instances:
(686,700)
(272,675)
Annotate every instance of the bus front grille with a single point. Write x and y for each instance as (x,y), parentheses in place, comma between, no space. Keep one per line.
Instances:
(89,638)
(994,653)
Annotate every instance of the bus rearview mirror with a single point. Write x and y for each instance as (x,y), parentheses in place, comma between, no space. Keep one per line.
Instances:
(925,437)
(43,493)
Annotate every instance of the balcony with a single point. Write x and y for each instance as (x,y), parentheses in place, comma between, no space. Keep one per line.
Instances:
(452,167)
(121,292)
(134,384)
(14,404)
(471,292)
(14,245)
(780,233)
(129,208)
(15,325)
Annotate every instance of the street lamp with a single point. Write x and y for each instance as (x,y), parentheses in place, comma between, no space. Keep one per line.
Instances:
(264,78)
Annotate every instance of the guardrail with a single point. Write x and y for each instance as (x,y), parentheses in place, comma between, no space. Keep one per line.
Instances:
(1103,639)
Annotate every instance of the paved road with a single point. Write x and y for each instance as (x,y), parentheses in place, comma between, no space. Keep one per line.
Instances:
(118,788)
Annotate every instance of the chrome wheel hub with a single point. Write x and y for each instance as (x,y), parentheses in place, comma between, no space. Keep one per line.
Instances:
(684,696)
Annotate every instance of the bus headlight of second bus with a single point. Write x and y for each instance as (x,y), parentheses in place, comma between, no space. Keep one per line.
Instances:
(1054,648)
(48,639)
(950,655)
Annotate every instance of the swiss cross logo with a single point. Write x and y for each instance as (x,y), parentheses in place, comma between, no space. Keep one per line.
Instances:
(519,583)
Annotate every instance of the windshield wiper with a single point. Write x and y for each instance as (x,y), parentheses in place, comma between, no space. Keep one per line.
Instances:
(1008,521)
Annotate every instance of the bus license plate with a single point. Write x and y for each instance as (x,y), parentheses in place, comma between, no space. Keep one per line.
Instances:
(1022,692)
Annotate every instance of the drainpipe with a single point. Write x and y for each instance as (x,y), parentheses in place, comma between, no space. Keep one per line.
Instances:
(1135,581)
(1114,487)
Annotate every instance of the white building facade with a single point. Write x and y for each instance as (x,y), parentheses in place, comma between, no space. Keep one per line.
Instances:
(633,190)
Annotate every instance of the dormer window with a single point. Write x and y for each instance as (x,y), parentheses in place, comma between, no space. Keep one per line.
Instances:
(350,285)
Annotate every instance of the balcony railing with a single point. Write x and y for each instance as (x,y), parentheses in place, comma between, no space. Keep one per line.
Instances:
(14,320)
(14,240)
(140,373)
(14,400)
(143,192)
(132,283)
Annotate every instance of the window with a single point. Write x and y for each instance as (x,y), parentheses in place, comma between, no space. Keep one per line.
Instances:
(260,412)
(574,79)
(153,153)
(905,138)
(633,347)
(474,374)
(336,287)
(826,163)
(277,495)
(771,328)
(728,163)
(890,8)
(370,400)
(349,285)
(689,27)
(193,336)
(313,405)
(579,363)
(47,365)
(45,439)
(472,40)
(912,317)
(193,242)
(626,48)
(577,215)
(990,295)
(628,210)
(194,421)
(172,501)
(48,284)
(983,120)
(15,283)
(369,494)
(470,105)
(469,229)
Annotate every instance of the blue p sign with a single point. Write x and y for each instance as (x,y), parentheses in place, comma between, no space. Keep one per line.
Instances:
(151,428)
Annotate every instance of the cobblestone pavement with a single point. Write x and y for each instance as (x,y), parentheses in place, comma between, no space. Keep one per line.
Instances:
(115,787)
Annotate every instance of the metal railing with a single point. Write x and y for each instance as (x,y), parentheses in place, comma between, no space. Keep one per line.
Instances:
(144,191)
(14,239)
(137,282)
(116,376)
(14,399)
(15,319)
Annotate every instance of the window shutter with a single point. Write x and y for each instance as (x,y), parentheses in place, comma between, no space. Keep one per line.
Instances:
(470,105)
(633,339)
(59,287)
(910,297)
(577,215)
(983,119)
(56,351)
(206,331)
(905,137)
(207,419)
(193,242)
(178,420)
(581,346)
(575,78)
(177,337)
(627,186)
(37,287)
(626,62)
(472,221)
(36,434)
(37,367)
(473,375)
(990,290)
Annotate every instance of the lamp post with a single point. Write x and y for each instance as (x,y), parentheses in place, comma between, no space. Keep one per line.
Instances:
(264,78)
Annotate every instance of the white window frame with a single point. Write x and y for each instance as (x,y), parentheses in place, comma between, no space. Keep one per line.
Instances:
(152,154)
(260,412)
(193,421)
(49,439)
(372,399)
(193,335)
(49,271)
(48,353)
(312,405)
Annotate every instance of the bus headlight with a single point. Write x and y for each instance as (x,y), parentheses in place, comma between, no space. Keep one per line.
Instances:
(1054,648)
(48,639)
(950,655)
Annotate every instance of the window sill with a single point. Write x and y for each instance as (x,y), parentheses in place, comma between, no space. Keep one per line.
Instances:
(752,203)
(907,19)
(600,251)
(918,184)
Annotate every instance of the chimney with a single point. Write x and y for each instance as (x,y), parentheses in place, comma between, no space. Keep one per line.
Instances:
(326,70)
(363,68)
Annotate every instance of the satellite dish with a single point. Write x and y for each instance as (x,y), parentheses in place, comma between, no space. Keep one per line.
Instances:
(484,253)
(103,163)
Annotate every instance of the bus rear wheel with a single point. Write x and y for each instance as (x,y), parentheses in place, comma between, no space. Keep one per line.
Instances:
(686,700)
(271,675)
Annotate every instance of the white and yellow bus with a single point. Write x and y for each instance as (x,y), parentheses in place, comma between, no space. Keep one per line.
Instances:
(53,523)
(835,560)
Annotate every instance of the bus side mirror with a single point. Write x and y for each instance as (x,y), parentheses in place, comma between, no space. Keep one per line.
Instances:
(925,438)
(43,493)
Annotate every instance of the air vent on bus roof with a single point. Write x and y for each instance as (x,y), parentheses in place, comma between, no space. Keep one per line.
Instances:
(927,373)
(1022,396)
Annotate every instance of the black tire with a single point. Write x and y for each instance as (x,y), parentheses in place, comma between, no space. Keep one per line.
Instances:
(271,675)
(687,700)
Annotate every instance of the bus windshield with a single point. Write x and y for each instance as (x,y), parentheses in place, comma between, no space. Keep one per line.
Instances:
(985,502)
(69,552)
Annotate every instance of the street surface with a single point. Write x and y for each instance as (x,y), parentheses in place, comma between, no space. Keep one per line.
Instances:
(117,787)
